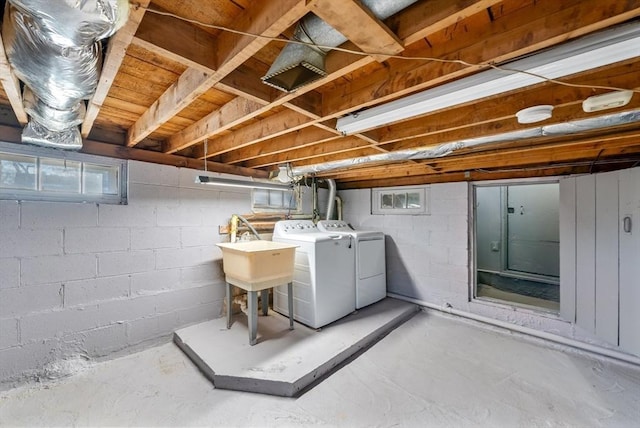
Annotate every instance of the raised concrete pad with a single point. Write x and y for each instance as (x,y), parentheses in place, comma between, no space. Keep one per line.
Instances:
(284,362)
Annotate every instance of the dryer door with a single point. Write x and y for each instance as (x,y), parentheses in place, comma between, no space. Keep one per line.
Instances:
(371,257)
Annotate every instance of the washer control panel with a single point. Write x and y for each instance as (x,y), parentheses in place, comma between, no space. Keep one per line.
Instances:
(334,226)
(287,227)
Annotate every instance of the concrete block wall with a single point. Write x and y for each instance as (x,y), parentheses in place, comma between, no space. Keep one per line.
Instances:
(428,257)
(88,280)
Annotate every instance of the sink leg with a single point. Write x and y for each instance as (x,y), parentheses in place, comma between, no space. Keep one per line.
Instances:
(264,298)
(290,301)
(229,308)
(252,309)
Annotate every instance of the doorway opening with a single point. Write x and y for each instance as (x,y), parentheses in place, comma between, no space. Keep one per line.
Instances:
(516,232)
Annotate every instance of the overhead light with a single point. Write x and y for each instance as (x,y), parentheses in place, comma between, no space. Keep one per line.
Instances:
(250,184)
(596,50)
(534,114)
(607,101)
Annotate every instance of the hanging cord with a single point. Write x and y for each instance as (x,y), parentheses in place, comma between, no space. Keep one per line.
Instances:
(206,141)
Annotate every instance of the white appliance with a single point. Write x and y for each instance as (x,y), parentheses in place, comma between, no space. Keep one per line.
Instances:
(323,287)
(371,275)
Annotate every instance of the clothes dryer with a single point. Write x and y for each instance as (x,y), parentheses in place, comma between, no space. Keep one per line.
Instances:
(371,274)
(323,286)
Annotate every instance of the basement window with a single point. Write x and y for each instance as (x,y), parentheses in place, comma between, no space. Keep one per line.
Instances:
(268,200)
(399,200)
(40,174)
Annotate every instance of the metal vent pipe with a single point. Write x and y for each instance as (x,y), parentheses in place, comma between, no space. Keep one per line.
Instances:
(298,65)
(53,47)
(331,199)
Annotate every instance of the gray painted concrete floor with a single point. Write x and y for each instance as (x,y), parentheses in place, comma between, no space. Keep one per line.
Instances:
(434,370)
(285,362)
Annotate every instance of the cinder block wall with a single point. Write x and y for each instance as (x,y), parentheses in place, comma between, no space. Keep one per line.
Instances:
(90,280)
(428,257)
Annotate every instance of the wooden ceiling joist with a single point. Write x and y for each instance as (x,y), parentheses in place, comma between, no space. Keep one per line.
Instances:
(11,86)
(206,127)
(265,18)
(301,138)
(270,127)
(116,52)
(171,83)
(550,152)
(372,35)
(184,43)
(497,45)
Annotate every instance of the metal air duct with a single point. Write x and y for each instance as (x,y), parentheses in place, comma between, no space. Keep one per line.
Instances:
(331,199)
(556,130)
(298,65)
(54,48)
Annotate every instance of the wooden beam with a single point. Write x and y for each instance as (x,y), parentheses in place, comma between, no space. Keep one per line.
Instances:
(501,41)
(542,171)
(411,25)
(229,115)
(427,17)
(370,34)
(533,153)
(12,135)
(270,127)
(190,85)
(11,86)
(449,126)
(185,43)
(562,114)
(297,139)
(116,51)
(506,106)
(244,82)
(122,152)
(254,99)
(264,18)
(340,64)
(343,148)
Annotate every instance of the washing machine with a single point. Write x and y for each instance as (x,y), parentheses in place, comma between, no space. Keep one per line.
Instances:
(371,274)
(323,285)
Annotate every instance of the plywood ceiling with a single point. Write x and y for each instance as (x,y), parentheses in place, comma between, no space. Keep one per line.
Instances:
(169,85)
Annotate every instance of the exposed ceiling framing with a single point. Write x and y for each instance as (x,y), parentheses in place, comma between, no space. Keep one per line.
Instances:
(168,85)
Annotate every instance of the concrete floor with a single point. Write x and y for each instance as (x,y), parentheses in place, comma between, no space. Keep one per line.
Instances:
(434,370)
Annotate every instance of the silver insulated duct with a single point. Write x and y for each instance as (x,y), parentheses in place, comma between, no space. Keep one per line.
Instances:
(298,65)
(54,48)
(445,149)
(331,199)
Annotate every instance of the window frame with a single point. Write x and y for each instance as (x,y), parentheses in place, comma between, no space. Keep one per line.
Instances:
(39,153)
(276,209)
(377,195)
(473,262)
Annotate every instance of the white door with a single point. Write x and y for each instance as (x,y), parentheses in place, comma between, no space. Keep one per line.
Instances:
(629,232)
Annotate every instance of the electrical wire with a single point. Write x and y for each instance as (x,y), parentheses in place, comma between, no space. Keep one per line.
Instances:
(400,57)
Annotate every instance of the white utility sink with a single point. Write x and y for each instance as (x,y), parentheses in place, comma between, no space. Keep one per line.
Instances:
(258,264)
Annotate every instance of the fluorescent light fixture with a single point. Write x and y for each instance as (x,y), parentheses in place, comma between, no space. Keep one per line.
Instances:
(592,51)
(249,184)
